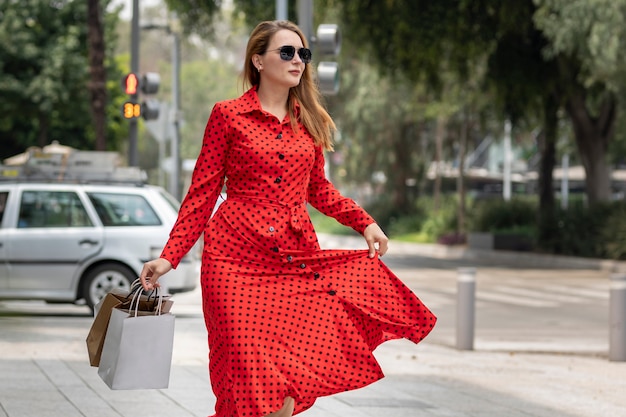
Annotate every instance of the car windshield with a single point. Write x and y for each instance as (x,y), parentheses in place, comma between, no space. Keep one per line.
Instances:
(124,210)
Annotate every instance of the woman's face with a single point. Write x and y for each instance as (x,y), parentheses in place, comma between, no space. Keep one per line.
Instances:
(276,72)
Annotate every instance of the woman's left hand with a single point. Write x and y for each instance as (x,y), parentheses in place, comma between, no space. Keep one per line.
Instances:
(376,240)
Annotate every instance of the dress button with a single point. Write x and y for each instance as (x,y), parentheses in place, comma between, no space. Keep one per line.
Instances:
(289,258)
(271,229)
(274,249)
(332,292)
(302,266)
(316,275)
(280,136)
(281,156)
(277,180)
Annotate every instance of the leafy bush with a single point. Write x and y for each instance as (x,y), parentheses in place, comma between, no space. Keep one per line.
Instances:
(325,224)
(517,215)
(613,233)
(598,232)
(575,231)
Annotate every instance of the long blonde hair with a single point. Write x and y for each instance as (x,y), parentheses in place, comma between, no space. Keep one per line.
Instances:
(313,114)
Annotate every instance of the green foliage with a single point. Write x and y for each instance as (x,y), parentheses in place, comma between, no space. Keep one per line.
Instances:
(497,215)
(203,84)
(196,16)
(576,231)
(591,31)
(325,224)
(613,233)
(43,70)
(423,224)
(44,75)
(439,221)
(260,10)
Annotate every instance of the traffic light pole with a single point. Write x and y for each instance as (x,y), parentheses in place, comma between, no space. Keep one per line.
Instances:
(305,19)
(134,68)
(281,9)
(175,185)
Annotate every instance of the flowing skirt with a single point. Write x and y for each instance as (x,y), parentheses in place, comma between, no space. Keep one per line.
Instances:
(299,323)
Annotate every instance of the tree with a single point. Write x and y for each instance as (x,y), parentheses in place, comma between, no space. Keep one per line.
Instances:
(196,16)
(44,76)
(580,40)
(587,41)
(42,69)
(97,71)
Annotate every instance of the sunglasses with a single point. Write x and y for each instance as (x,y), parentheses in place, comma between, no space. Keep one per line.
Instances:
(287,53)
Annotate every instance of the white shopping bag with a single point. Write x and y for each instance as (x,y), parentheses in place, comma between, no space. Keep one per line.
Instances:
(137,351)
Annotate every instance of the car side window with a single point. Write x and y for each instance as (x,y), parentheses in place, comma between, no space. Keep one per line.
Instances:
(124,210)
(52,209)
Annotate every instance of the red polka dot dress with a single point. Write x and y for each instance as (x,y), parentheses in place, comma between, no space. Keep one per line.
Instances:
(284,318)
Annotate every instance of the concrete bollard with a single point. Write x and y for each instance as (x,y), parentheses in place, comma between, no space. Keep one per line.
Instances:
(617,317)
(465,308)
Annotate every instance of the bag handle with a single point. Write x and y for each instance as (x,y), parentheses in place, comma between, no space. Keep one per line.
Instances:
(137,299)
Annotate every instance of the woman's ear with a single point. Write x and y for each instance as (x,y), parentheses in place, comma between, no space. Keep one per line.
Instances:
(256,61)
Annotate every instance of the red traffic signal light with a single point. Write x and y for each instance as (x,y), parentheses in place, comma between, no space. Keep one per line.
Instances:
(130,84)
(131,110)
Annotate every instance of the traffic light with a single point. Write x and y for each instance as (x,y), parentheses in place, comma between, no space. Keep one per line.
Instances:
(150,109)
(328,42)
(130,84)
(131,110)
(147,84)
(150,83)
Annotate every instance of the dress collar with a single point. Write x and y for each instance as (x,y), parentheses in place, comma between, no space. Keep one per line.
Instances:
(250,102)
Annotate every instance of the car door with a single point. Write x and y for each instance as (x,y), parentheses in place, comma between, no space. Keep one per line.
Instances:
(52,237)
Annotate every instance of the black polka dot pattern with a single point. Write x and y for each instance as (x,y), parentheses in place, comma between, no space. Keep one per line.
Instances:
(284,318)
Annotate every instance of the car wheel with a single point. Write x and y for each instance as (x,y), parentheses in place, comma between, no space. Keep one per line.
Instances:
(103,279)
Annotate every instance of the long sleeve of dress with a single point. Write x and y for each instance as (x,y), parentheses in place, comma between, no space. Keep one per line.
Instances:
(206,184)
(327,199)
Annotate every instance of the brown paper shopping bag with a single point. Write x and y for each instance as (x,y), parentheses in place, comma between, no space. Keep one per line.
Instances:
(116,299)
(98,330)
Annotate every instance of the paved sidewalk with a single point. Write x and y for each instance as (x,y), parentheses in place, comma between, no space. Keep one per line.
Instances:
(44,372)
(48,376)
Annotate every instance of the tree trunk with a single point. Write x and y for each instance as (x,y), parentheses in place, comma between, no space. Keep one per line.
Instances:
(402,171)
(42,131)
(97,84)
(439,134)
(547,148)
(460,183)
(593,134)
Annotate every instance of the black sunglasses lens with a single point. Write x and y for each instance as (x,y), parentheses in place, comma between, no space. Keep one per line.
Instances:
(305,55)
(287,53)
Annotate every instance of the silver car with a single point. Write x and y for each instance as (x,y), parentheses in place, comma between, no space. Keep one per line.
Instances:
(74,243)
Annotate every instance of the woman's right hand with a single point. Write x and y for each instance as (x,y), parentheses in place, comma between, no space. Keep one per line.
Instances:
(152,271)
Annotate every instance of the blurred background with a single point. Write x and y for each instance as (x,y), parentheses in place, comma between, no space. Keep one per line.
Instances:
(480,123)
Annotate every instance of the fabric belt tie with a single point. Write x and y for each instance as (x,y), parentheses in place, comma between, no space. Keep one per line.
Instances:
(297,210)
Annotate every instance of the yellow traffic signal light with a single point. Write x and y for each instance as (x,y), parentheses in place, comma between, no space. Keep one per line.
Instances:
(130,83)
(147,84)
(131,110)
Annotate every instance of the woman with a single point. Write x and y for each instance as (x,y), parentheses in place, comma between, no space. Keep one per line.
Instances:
(287,322)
